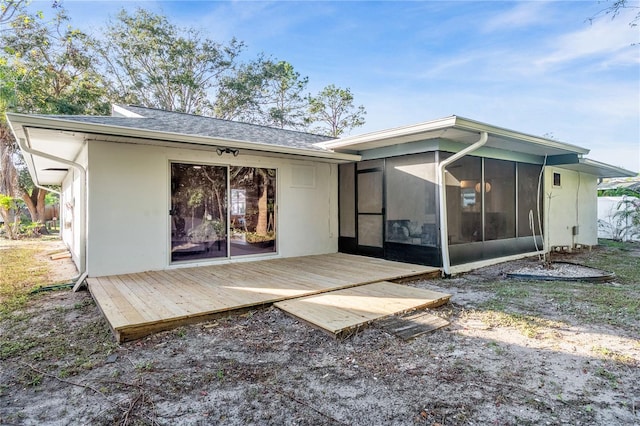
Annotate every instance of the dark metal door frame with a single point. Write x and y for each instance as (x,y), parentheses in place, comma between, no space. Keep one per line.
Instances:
(367,249)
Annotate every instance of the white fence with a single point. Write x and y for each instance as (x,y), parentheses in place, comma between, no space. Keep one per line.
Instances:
(613,225)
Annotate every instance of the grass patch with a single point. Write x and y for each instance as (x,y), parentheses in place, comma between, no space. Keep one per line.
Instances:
(616,303)
(21,272)
(529,325)
(618,257)
(614,356)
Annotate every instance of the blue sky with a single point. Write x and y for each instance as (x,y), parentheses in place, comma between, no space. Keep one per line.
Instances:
(534,66)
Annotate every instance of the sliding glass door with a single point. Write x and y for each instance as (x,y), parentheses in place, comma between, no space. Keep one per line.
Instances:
(198,212)
(220,211)
(252,218)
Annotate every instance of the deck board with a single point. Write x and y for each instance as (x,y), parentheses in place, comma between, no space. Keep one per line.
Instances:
(141,303)
(341,311)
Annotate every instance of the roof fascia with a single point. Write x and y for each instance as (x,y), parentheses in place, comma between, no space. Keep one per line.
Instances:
(397,132)
(454,122)
(51,123)
(612,171)
(467,124)
(446,145)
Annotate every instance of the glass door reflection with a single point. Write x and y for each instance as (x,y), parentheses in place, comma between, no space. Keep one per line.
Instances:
(198,212)
(252,215)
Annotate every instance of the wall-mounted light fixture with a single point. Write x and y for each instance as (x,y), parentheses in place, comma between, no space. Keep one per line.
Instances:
(228,150)
(487,187)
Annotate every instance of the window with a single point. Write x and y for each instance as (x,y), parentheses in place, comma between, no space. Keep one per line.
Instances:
(411,200)
(238,202)
(556,179)
(499,199)
(464,200)
(528,175)
(488,206)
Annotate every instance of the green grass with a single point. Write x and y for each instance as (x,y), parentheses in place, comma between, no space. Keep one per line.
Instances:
(20,273)
(522,304)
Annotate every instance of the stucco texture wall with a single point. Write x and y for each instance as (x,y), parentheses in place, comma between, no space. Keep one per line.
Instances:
(72,210)
(129,222)
(572,203)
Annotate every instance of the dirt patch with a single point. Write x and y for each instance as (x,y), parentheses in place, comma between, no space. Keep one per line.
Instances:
(515,353)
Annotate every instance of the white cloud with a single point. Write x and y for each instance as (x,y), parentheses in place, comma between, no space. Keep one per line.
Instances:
(613,38)
(522,15)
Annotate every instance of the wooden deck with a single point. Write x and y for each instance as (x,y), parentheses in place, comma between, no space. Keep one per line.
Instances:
(340,312)
(139,304)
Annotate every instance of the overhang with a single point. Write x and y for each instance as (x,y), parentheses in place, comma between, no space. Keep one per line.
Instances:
(456,129)
(65,139)
(596,168)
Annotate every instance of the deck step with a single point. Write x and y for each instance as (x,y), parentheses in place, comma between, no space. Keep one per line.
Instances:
(342,312)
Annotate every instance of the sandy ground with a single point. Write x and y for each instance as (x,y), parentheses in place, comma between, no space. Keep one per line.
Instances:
(60,365)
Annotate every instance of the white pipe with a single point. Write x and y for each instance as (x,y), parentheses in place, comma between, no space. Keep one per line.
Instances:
(83,190)
(442,187)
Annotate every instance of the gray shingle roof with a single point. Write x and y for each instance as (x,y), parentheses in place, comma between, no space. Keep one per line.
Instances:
(189,124)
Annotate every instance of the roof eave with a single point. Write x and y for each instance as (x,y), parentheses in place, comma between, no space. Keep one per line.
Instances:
(23,120)
(467,124)
(451,122)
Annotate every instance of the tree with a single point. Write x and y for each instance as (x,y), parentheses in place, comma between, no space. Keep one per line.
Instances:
(334,112)
(15,10)
(616,7)
(149,61)
(265,92)
(44,68)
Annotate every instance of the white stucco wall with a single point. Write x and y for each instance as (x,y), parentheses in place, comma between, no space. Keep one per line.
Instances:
(129,204)
(572,203)
(72,206)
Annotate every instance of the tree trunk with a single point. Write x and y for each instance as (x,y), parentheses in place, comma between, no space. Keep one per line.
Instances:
(9,223)
(261,227)
(31,205)
(40,205)
(35,203)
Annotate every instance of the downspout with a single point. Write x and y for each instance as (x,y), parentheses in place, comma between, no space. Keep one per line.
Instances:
(78,280)
(442,186)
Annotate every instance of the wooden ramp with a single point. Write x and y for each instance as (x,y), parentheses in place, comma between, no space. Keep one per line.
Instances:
(139,304)
(343,311)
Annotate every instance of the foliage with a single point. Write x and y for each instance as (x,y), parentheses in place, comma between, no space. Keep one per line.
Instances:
(51,69)
(9,212)
(149,61)
(12,11)
(618,192)
(265,92)
(623,224)
(628,215)
(334,111)
(45,68)
(253,237)
(616,7)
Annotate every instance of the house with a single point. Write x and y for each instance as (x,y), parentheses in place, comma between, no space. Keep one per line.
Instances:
(145,189)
